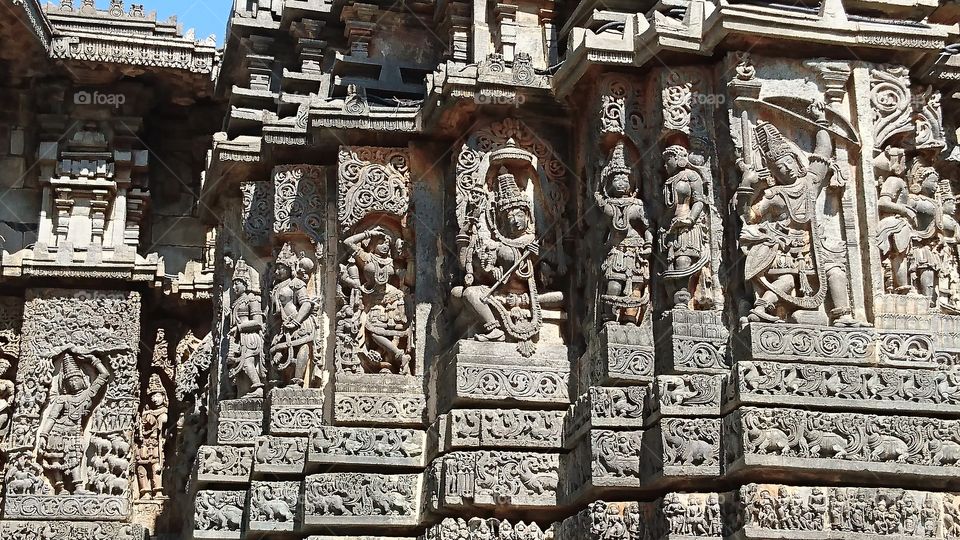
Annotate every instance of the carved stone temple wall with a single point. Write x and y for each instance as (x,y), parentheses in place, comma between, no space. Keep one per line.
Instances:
(451,270)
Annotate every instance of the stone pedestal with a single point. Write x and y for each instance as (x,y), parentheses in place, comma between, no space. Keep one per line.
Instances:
(240,421)
(621,354)
(696,341)
(784,342)
(379,399)
(495,374)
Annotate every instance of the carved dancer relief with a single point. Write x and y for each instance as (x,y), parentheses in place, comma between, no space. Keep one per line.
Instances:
(796,270)
(152,435)
(510,195)
(628,237)
(245,353)
(374,327)
(294,311)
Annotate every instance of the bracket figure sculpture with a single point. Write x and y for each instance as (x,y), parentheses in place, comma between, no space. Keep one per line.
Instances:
(628,239)
(294,310)
(792,266)
(246,333)
(151,436)
(375,280)
(60,445)
(685,239)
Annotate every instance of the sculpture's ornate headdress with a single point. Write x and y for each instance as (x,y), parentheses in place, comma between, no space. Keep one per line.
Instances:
(241,273)
(156,386)
(617,164)
(773,145)
(679,152)
(70,368)
(509,195)
(287,257)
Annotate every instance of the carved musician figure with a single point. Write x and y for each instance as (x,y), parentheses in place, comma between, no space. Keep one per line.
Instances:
(500,289)
(626,266)
(61,449)
(294,310)
(792,265)
(246,334)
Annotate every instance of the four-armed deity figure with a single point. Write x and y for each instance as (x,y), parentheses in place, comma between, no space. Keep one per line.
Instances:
(293,309)
(500,286)
(151,436)
(626,266)
(790,262)
(60,446)
(375,278)
(685,237)
(246,334)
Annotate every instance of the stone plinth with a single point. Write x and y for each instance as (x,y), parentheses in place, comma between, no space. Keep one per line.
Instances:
(603,460)
(621,354)
(783,342)
(369,500)
(493,478)
(67,507)
(852,445)
(495,374)
(295,411)
(240,421)
(696,341)
(279,455)
(222,464)
(379,399)
(678,449)
(920,391)
(600,407)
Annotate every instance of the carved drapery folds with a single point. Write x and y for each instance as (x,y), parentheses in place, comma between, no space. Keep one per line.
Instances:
(374,328)
(510,194)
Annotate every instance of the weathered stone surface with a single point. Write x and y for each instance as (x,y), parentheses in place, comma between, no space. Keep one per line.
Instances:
(382,447)
(500,428)
(361,499)
(493,478)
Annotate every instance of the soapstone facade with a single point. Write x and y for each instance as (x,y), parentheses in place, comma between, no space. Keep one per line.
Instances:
(481,270)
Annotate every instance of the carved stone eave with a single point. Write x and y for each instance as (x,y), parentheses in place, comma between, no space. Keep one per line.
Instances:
(39,24)
(587,48)
(808,27)
(39,262)
(943,69)
(339,114)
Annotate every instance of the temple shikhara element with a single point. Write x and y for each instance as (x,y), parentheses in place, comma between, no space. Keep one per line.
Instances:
(485,270)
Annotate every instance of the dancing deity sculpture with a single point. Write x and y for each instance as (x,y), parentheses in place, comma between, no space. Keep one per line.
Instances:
(374,282)
(685,237)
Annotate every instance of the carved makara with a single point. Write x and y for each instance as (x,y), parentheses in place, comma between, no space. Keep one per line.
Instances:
(510,194)
(374,319)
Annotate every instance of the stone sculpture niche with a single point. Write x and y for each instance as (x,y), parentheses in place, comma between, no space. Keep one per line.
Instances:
(510,194)
(247,366)
(294,311)
(376,277)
